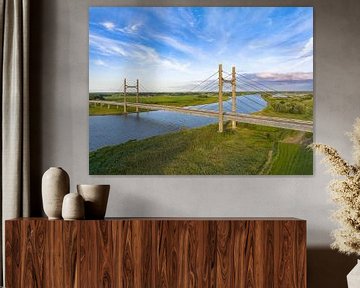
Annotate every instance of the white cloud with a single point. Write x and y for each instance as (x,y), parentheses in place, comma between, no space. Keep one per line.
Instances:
(139,53)
(178,45)
(280,37)
(130,29)
(99,62)
(107,46)
(186,16)
(303,58)
(286,47)
(307,50)
(295,76)
(108,25)
(149,56)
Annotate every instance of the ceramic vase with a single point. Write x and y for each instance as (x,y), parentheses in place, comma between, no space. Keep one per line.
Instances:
(353,278)
(55,185)
(96,198)
(73,207)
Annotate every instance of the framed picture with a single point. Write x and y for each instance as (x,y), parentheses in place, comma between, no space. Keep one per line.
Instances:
(200,90)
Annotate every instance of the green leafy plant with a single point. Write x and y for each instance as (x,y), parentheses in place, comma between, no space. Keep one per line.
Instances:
(345,191)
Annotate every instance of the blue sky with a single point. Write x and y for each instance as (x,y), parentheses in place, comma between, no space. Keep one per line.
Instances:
(173,48)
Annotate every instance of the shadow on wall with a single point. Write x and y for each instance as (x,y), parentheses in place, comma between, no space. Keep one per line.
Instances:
(37,10)
(328,268)
(139,207)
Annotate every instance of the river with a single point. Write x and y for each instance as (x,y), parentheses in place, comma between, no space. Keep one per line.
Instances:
(115,129)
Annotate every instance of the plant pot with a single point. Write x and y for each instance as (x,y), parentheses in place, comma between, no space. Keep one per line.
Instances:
(73,207)
(353,278)
(96,198)
(55,185)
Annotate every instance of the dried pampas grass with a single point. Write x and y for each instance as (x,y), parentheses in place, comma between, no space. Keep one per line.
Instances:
(345,191)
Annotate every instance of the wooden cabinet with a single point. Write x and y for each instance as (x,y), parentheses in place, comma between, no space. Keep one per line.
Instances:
(156,252)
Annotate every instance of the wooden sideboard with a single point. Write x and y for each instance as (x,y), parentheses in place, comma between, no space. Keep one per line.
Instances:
(156,252)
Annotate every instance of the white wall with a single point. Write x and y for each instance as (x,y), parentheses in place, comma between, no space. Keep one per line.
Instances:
(59,124)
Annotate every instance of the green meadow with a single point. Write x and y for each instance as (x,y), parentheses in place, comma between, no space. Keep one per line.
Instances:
(292,159)
(293,107)
(247,150)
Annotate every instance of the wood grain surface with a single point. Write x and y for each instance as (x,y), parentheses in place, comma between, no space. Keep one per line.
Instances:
(161,252)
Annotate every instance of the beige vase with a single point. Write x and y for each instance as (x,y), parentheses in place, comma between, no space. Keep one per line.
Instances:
(55,185)
(353,278)
(73,207)
(96,198)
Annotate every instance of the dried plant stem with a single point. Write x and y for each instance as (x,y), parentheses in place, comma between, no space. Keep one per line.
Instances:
(345,191)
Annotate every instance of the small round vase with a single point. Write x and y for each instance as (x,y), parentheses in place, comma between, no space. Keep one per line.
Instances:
(96,198)
(73,207)
(55,185)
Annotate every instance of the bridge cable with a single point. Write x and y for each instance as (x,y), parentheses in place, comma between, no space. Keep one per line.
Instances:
(268,88)
(209,84)
(199,84)
(254,109)
(253,101)
(255,84)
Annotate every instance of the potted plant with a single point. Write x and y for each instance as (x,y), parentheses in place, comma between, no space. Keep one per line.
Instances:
(345,192)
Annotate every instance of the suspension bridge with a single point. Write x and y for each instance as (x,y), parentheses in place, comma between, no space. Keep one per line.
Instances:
(222,115)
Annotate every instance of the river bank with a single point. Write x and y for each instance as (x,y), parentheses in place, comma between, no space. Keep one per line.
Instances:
(247,150)
(115,129)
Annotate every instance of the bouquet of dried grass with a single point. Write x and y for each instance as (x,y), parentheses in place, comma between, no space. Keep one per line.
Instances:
(345,191)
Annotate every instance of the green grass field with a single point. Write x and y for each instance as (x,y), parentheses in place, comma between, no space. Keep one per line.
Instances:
(293,107)
(112,110)
(292,159)
(203,151)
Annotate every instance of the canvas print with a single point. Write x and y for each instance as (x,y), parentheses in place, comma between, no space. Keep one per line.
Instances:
(200,90)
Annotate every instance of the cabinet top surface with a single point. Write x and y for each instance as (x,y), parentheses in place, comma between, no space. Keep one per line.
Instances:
(174,219)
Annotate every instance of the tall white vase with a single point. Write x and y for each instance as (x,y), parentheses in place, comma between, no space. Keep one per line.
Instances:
(55,185)
(353,278)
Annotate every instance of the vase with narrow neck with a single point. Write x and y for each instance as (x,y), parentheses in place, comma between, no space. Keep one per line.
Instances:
(55,185)
(353,278)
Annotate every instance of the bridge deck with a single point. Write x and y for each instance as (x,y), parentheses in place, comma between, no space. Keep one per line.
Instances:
(292,124)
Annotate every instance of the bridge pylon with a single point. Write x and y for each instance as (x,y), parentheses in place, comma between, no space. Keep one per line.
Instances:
(233,97)
(126,87)
(221,112)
